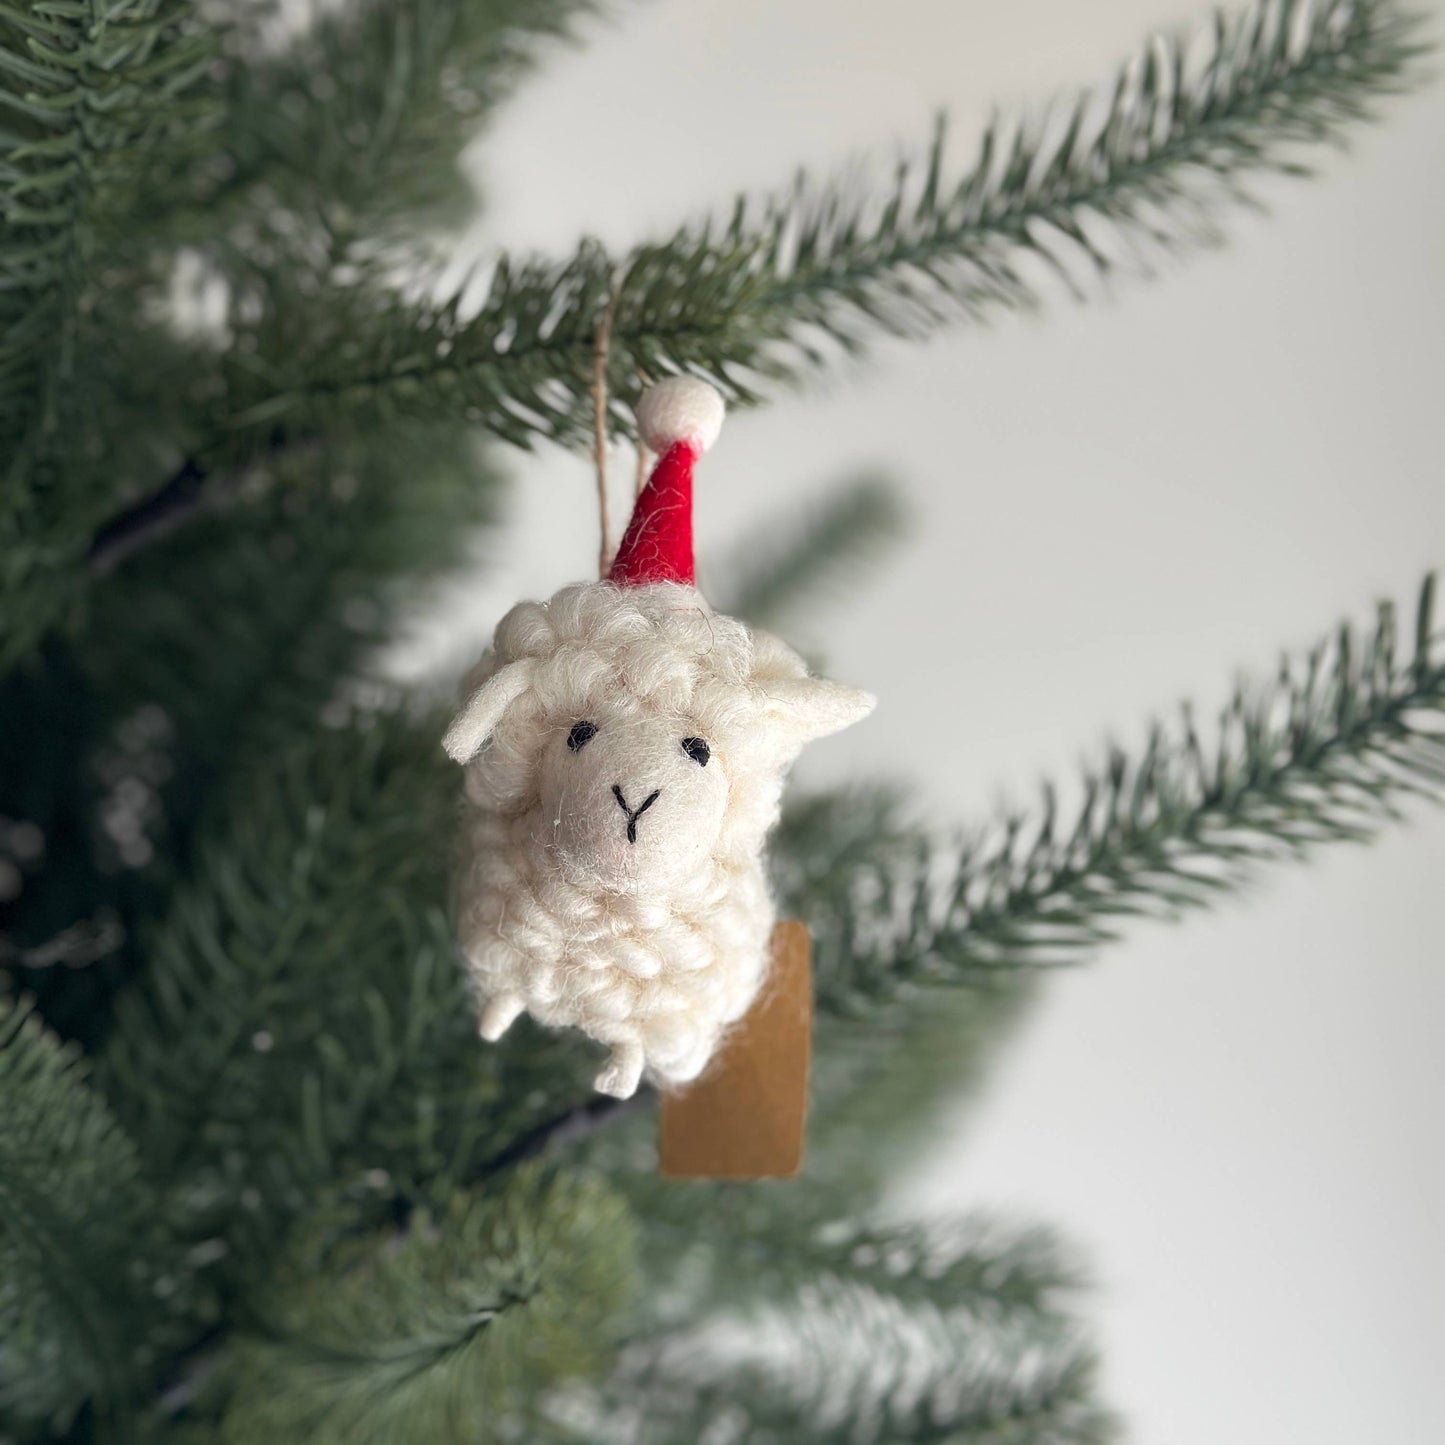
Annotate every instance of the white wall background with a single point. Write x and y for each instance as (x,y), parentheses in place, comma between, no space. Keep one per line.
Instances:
(1119,504)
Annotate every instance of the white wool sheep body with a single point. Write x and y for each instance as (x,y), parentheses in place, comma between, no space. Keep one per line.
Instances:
(626,749)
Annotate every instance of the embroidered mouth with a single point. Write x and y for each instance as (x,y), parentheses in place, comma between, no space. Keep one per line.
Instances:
(633,814)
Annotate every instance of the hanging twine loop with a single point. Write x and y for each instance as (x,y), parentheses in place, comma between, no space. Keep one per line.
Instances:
(601,358)
(600,354)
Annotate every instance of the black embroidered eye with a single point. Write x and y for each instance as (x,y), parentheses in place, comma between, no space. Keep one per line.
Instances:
(697,750)
(582,733)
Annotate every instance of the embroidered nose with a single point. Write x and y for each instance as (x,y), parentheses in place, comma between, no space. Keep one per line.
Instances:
(633,814)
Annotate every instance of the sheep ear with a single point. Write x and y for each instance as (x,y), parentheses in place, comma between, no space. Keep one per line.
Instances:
(483,710)
(814,707)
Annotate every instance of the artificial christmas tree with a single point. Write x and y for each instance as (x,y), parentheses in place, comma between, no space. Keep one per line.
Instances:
(258,1177)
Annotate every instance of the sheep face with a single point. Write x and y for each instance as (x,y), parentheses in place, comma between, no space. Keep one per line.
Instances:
(630,803)
(638,733)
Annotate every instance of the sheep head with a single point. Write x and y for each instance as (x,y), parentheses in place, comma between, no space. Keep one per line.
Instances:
(643,736)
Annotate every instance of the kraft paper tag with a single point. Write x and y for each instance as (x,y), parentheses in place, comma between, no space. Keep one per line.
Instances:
(744,1118)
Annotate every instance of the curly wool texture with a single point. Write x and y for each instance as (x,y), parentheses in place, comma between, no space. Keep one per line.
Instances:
(616,883)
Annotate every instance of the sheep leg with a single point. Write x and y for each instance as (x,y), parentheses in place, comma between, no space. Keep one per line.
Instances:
(623,1072)
(499,1015)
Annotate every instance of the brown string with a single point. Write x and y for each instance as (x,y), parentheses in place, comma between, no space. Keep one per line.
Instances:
(644,457)
(599,433)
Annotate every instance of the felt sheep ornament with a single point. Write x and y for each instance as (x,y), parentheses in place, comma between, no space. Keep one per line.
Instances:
(625,749)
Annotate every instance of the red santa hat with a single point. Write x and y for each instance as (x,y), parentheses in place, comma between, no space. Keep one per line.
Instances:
(679,419)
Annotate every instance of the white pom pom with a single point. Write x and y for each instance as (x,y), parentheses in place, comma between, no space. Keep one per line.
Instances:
(680,409)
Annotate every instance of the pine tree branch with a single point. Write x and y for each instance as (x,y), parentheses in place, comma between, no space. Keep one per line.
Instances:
(846,1369)
(463,1320)
(781,1250)
(91,97)
(570,1127)
(357,125)
(75,1226)
(86,101)
(186,494)
(968,1265)
(1327,752)
(1148,164)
